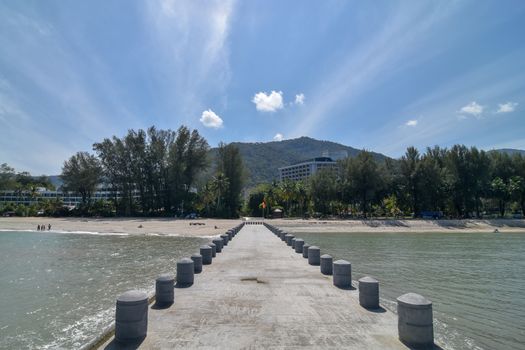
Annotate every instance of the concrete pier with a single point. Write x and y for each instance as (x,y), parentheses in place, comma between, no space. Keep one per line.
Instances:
(299,243)
(185,272)
(314,255)
(369,292)
(206,252)
(131,317)
(326,264)
(305,250)
(164,292)
(197,263)
(218,244)
(213,249)
(415,322)
(260,294)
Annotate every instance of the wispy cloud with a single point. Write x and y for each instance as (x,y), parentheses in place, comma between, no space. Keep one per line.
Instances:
(278,137)
(271,102)
(299,99)
(439,123)
(412,123)
(54,92)
(191,39)
(394,46)
(210,119)
(507,107)
(473,108)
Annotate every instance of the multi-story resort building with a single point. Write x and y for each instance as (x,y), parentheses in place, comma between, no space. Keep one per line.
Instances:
(305,169)
(69,199)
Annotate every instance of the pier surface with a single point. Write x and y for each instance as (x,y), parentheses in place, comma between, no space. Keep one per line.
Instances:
(259,294)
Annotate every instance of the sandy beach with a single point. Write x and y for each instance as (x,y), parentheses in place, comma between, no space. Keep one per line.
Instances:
(134,226)
(415,226)
(212,227)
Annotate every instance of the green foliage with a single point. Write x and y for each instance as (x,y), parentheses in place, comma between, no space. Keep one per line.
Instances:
(459,182)
(390,206)
(363,180)
(153,171)
(230,173)
(322,190)
(81,174)
(7,177)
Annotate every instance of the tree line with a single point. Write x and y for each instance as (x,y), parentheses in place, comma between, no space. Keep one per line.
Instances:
(24,185)
(459,182)
(165,173)
(156,172)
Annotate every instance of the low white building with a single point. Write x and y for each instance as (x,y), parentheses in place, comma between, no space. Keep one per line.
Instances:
(69,199)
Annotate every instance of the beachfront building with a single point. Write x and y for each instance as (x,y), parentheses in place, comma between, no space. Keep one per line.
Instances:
(70,199)
(305,169)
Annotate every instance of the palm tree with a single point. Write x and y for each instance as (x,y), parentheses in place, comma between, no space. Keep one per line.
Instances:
(219,185)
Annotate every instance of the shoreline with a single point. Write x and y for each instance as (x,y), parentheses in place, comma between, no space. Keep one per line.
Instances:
(402,225)
(213,227)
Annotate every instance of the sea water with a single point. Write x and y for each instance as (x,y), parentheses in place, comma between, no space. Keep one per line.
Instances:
(58,290)
(476,281)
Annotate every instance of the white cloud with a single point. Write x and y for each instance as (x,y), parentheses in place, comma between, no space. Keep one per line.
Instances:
(473,108)
(268,102)
(278,137)
(412,122)
(211,120)
(299,99)
(197,63)
(507,107)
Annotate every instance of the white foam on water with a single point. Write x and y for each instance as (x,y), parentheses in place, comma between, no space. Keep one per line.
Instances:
(80,332)
(94,233)
(72,232)
(10,230)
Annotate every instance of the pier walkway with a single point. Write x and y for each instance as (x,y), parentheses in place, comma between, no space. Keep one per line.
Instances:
(259,294)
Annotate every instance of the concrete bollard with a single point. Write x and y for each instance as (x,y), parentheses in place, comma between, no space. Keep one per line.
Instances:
(342,271)
(299,243)
(185,272)
(206,253)
(225,240)
(369,292)
(288,238)
(197,263)
(305,250)
(213,249)
(164,289)
(218,244)
(230,234)
(414,322)
(282,235)
(293,242)
(314,255)
(131,317)
(326,264)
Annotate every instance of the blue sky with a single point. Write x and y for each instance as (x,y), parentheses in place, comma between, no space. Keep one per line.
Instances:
(380,75)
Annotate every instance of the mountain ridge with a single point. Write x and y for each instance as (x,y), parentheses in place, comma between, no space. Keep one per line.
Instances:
(262,159)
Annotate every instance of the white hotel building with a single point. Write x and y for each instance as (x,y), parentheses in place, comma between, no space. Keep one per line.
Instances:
(304,169)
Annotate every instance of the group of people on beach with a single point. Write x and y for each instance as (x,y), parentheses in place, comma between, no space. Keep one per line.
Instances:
(43,227)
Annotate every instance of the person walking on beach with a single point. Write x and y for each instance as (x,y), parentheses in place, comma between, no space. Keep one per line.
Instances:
(38,227)
(49,227)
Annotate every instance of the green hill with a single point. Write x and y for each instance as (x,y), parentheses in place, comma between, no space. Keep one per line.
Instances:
(510,151)
(262,159)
